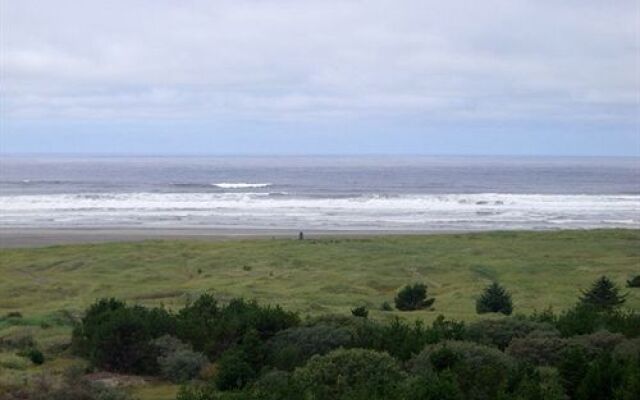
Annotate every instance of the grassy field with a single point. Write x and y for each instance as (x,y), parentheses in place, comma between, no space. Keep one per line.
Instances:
(540,269)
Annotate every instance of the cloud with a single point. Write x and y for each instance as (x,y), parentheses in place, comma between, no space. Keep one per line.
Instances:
(285,59)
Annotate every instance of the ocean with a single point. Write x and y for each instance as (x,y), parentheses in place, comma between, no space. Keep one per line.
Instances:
(320,193)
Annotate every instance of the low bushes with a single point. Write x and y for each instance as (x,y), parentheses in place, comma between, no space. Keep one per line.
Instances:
(480,371)
(413,297)
(177,362)
(350,374)
(265,353)
(500,332)
(117,337)
(294,346)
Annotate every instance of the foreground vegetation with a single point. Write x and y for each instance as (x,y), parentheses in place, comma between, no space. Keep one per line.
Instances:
(45,292)
(241,350)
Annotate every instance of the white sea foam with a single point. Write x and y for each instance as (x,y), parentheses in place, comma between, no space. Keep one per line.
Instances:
(241,185)
(262,210)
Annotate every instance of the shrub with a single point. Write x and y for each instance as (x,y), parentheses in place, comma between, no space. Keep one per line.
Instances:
(350,374)
(494,299)
(386,306)
(603,295)
(608,378)
(598,342)
(572,368)
(14,314)
(480,371)
(539,384)
(294,346)
(212,329)
(538,348)
(634,282)
(413,298)
(117,337)
(181,365)
(584,319)
(500,332)
(239,365)
(275,385)
(432,387)
(234,370)
(360,311)
(629,349)
(34,355)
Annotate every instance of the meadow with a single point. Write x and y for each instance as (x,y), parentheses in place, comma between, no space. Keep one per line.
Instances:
(51,286)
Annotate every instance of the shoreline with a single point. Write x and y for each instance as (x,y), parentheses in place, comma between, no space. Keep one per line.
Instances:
(42,237)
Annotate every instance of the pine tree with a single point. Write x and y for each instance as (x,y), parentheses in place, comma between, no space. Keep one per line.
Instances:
(413,298)
(604,295)
(494,299)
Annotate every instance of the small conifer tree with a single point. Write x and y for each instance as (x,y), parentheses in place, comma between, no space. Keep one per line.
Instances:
(634,282)
(494,299)
(603,295)
(413,298)
(360,312)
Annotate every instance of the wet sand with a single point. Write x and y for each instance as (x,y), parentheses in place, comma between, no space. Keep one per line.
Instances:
(37,237)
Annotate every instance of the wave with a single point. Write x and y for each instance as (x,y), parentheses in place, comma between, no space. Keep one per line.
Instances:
(280,210)
(240,185)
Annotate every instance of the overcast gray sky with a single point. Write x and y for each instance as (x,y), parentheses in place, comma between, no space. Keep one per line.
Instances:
(466,77)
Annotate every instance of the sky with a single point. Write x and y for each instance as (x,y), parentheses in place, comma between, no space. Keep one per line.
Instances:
(513,77)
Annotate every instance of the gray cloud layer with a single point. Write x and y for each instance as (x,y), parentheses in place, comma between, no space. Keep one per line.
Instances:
(493,59)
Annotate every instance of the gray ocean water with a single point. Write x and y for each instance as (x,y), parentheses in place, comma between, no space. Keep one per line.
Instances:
(347,193)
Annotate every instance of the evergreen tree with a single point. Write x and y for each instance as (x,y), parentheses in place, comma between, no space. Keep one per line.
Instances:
(494,299)
(413,298)
(604,295)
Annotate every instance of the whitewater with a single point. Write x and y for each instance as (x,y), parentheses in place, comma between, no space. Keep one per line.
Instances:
(324,193)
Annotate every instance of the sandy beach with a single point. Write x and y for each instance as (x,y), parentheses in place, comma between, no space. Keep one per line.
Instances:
(38,237)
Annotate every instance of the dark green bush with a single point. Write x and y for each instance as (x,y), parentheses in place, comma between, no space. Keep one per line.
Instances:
(275,385)
(598,342)
(432,387)
(538,348)
(294,346)
(116,337)
(413,297)
(494,299)
(500,332)
(603,295)
(360,311)
(234,370)
(634,282)
(350,374)
(386,306)
(34,355)
(212,329)
(584,319)
(480,371)
(538,384)
(240,365)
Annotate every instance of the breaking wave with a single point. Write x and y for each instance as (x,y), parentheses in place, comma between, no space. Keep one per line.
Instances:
(282,210)
(241,185)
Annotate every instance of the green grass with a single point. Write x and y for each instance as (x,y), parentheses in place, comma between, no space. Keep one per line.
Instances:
(50,286)
(541,269)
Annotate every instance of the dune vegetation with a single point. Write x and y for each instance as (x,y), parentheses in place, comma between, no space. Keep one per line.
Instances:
(44,292)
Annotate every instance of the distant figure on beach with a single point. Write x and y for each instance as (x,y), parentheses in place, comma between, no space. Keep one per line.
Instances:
(300,236)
